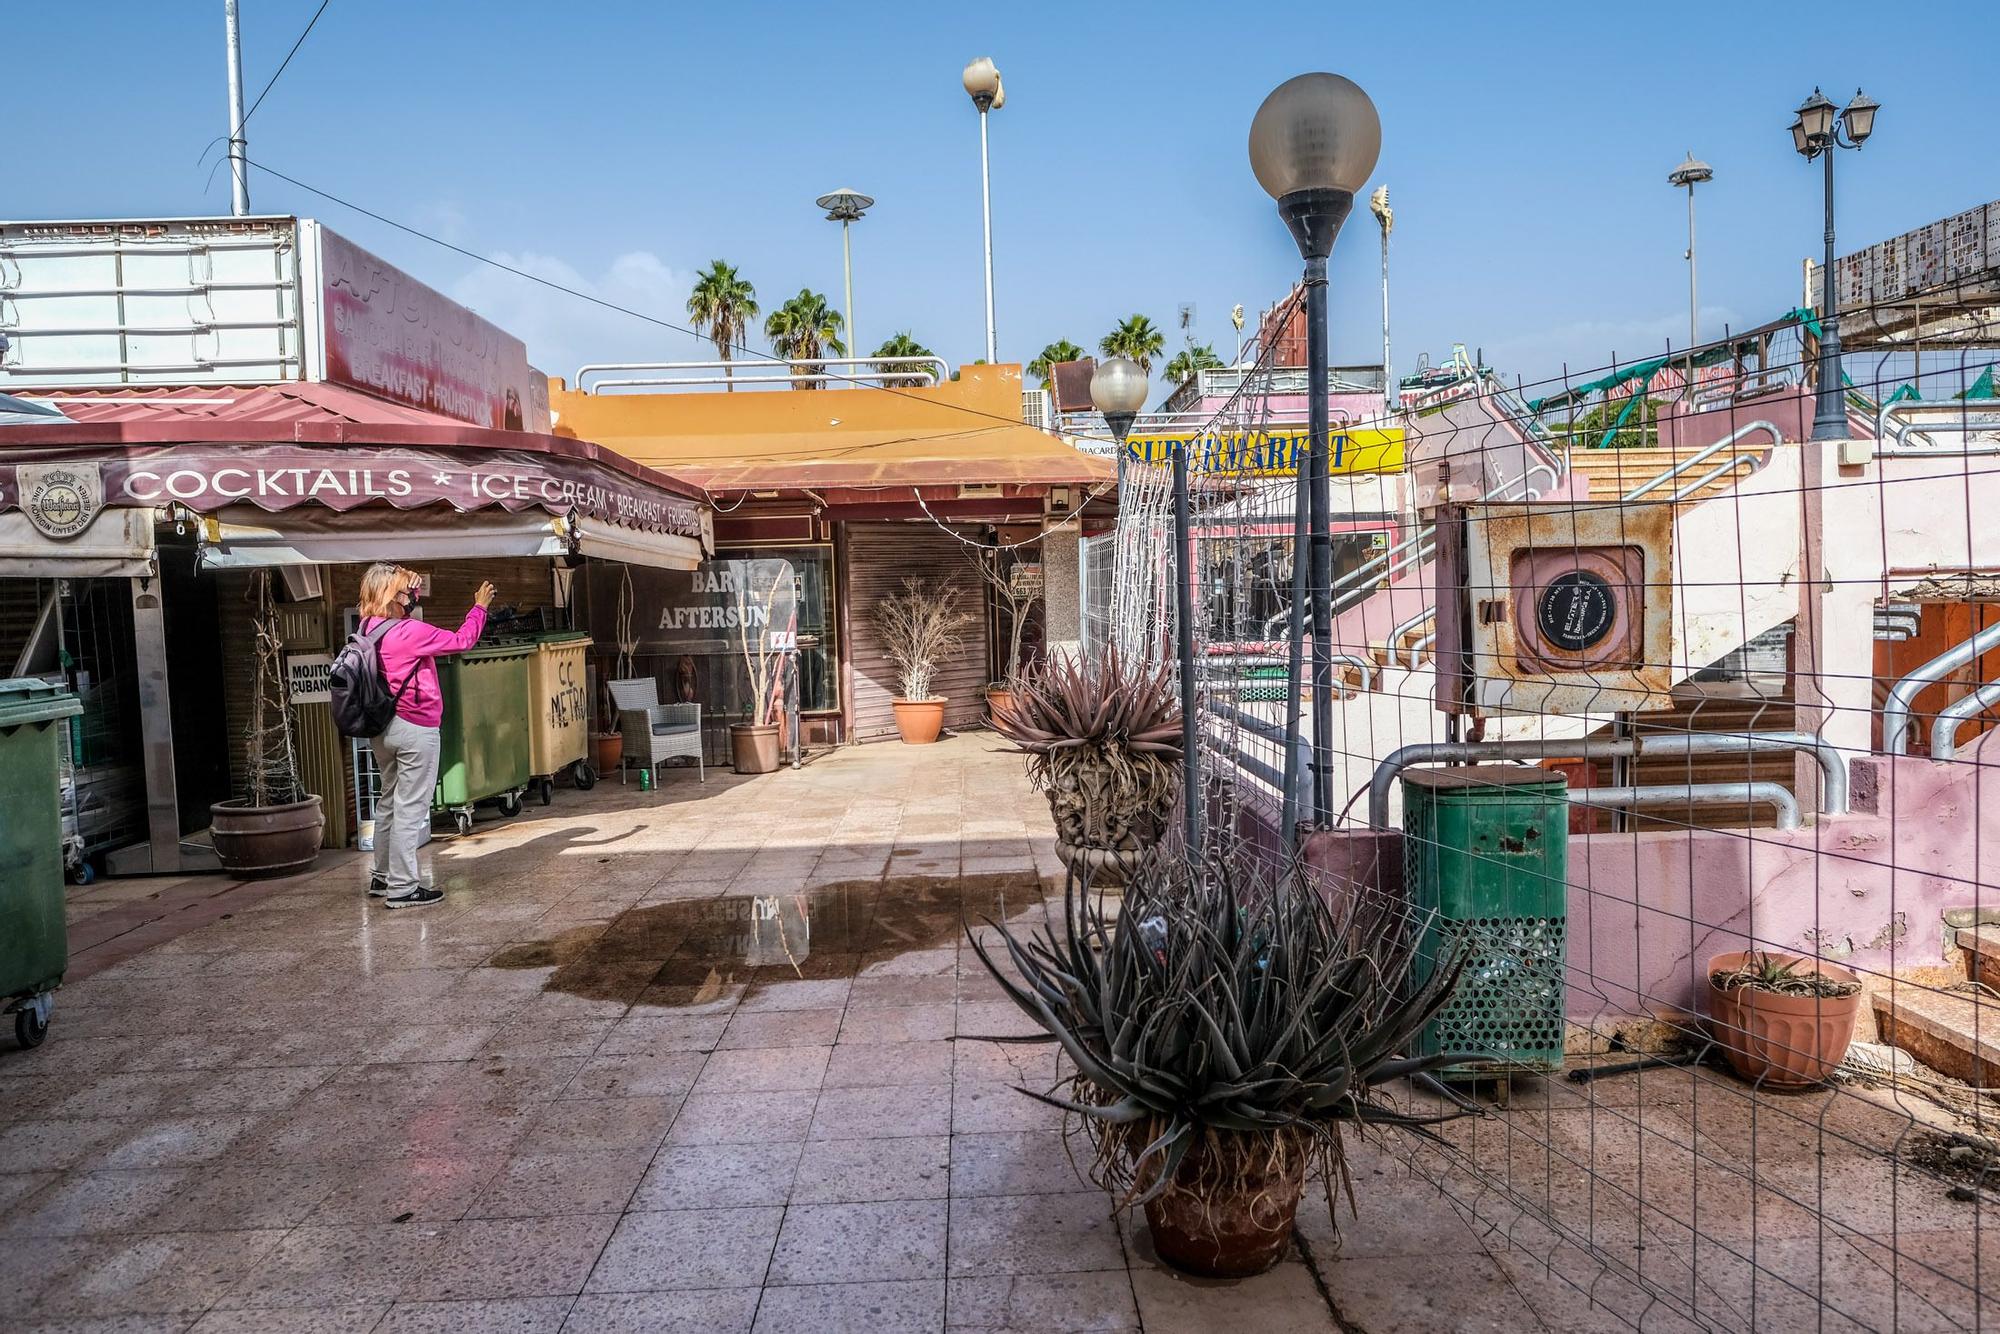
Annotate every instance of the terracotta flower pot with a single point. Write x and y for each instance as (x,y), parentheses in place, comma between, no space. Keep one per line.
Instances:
(606,750)
(919,721)
(753,747)
(267,840)
(1776,1040)
(1234,1233)
(999,697)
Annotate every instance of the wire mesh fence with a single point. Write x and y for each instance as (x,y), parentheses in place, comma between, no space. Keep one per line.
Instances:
(1674,720)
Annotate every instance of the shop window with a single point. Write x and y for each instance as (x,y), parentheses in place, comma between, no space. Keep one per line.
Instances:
(819,646)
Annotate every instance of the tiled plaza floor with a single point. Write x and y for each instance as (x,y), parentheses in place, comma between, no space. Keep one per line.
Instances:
(697,1059)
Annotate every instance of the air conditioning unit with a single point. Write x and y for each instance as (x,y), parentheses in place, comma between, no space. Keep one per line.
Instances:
(1572,607)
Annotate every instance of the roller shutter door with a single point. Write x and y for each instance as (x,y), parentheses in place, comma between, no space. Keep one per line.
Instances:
(879,558)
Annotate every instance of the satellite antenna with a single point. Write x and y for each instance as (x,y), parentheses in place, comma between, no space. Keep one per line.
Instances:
(1187,315)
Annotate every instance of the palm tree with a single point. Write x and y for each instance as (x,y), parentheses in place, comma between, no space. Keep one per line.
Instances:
(1191,360)
(804,329)
(722,306)
(901,345)
(1042,367)
(1135,337)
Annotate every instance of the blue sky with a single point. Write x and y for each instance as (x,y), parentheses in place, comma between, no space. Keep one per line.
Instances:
(620,147)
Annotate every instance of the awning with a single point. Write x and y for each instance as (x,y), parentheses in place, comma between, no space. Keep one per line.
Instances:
(243,536)
(119,545)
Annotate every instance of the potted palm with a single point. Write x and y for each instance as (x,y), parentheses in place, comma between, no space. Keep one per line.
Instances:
(275,827)
(1226,1034)
(1783,1020)
(753,743)
(1017,585)
(921,625)
(1103,740)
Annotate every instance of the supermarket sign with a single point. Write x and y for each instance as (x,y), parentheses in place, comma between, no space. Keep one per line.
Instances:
(1268,453)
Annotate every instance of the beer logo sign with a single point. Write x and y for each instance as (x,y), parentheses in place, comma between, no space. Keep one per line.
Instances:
(61,499)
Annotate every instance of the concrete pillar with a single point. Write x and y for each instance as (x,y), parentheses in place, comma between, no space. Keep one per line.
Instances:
(1062,606)
(1834,650)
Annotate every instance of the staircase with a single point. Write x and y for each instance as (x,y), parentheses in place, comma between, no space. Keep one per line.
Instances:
(1613,472)
(1955,1033)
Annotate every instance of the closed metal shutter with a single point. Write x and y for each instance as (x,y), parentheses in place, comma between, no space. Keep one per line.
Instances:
(879,557)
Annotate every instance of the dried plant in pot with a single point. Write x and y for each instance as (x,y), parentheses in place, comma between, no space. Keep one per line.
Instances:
(1783,1020)
(1103,740)
(1016,586)
(1226,1033)
(922,624)
(275,827)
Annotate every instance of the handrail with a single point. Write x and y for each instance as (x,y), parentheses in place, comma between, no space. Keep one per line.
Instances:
(1395,641)
(1702,455)
(1693,794)
(1892,423)
(1896,711)
(1944,728)
(1417,647)
(1739,390)
(1698,483)
(1833,767)
(765,371)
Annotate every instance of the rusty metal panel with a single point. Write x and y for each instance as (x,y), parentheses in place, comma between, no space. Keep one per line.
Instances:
(1572,607)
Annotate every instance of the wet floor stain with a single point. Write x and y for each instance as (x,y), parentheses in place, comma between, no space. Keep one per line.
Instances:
(696,952)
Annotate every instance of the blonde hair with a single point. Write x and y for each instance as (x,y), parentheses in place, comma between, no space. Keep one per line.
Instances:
(379,586)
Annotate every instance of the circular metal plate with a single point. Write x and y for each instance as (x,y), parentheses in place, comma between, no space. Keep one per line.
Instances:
(1575,611)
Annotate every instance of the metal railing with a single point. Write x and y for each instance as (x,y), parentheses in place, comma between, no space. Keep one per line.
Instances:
(908,371)
(1702,455)
(1898,434)
(1944,728)
(1833,766)
(1896,711)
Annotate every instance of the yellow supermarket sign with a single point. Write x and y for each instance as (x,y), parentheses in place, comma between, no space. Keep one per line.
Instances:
(1270,453)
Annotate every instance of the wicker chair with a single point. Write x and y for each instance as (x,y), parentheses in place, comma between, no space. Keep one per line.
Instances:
(655,732)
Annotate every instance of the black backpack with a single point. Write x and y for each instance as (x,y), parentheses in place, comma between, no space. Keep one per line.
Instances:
(358,687)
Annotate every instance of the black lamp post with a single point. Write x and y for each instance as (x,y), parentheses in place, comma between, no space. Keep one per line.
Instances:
(1816,132)
(1312,145)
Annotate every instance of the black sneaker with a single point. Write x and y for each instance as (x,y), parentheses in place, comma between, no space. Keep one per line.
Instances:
(416,898)
(378,888)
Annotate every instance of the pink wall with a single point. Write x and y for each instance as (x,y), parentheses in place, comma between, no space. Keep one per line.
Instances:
(1866,890)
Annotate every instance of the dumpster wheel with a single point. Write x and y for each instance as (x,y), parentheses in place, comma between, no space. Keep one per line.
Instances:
(584,775)
(462,821)
(31,1021)
(545,788)
(510,804)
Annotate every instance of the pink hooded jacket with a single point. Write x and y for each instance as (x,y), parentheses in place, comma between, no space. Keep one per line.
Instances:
(413,646)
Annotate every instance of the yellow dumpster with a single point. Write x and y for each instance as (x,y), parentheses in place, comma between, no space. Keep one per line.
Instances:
(559,712)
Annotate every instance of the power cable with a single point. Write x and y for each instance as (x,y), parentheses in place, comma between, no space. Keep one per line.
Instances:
(269,84)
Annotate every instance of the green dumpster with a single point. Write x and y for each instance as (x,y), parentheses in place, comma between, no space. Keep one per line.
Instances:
(34,942)
(559,711)
(483,742)
(1485,866)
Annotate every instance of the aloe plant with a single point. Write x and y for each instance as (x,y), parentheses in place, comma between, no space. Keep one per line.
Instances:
(1217,1009)
(1103,741)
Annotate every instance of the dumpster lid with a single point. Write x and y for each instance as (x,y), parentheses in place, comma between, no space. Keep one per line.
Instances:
(1484,775)
(508,648)
(561,637)
(28,699)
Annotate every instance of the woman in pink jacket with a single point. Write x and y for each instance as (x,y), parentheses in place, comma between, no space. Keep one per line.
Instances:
(406,754)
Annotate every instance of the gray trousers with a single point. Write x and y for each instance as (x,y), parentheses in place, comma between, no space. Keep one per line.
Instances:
(406,755)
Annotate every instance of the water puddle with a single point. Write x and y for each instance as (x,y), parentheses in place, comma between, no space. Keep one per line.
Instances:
(695,952)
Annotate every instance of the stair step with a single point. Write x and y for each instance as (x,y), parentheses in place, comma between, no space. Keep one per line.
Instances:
(1954,1033)
(1982,954)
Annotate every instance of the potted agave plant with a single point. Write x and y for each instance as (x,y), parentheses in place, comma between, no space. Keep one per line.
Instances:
(1103,740)
(921,625)
(1783,1020)
(275,827)
(1226,1033)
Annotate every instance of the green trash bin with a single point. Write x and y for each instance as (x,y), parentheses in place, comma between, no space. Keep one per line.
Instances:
(34,942)
(1485,868)
(483,742)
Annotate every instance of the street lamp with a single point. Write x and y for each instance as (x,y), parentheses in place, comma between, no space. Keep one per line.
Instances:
(1378,204)
(1312,145)
(846,207)
(1118,389)
(1691,173)
(982,84)
(1816,132)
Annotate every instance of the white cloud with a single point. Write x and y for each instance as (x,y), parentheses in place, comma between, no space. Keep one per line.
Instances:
(564,331)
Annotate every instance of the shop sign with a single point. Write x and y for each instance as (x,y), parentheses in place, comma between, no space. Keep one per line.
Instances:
(279,477)
(724,606)
(1269,454)
(306,676)
(396,338)
(1024,581)
(60,499)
